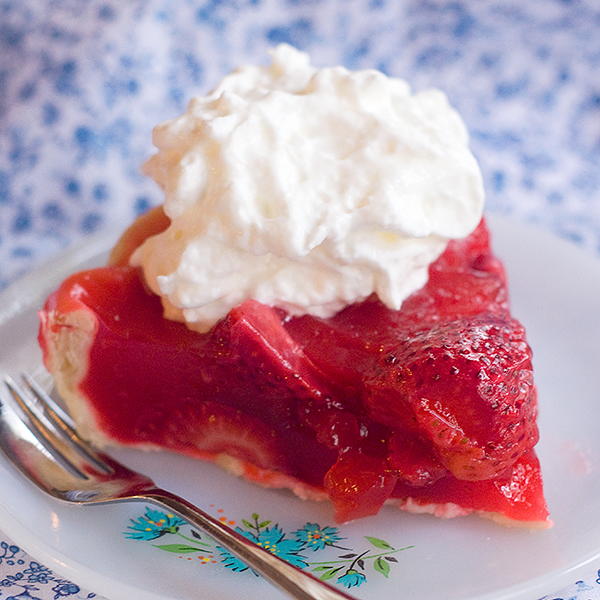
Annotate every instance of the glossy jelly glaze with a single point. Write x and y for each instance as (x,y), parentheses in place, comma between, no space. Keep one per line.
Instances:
(434,402)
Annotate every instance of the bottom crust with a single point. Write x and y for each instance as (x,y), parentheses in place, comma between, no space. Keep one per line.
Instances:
(448,510)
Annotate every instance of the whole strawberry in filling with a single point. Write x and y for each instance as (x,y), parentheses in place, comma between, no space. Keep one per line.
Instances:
(432,405)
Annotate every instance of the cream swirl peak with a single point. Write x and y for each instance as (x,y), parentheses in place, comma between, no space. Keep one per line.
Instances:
(307,189)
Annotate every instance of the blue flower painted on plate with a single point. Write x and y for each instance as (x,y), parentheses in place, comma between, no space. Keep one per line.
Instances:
(153,524)
(352,578)
(232,562)
(272,539)
(316,538)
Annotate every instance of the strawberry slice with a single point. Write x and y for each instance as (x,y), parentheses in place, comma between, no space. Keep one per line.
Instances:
(467,387)
(413,461)
(358,485)
(515,496)
(213,428)
(253,337)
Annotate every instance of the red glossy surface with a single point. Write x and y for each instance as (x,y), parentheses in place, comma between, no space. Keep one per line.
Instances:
(434,402)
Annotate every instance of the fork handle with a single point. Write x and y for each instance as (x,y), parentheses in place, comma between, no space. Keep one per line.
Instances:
(297,583)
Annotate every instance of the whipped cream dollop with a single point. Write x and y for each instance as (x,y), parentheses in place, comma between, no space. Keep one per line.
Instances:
(307,189)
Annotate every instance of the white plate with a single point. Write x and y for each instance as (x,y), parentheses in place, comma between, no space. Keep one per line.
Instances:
(555,290)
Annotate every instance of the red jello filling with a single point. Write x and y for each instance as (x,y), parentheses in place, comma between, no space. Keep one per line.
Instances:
(433,403)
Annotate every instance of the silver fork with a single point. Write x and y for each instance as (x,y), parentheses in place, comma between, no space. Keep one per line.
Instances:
(40,439)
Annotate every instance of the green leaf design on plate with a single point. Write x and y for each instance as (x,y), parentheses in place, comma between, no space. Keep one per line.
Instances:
(264,524)
(178,548)
(329,574)
(378,543)
(382,567)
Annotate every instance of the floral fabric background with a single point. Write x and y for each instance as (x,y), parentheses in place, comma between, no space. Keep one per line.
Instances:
(83,82)
(24,578)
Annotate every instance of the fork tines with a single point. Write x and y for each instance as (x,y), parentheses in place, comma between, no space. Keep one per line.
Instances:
(54,428)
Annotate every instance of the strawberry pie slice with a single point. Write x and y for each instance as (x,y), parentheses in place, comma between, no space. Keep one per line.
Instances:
(431,407)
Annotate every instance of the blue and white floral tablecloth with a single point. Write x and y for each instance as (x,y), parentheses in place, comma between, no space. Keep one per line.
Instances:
(82,82)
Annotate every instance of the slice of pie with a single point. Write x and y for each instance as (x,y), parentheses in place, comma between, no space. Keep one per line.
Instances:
(431,407)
